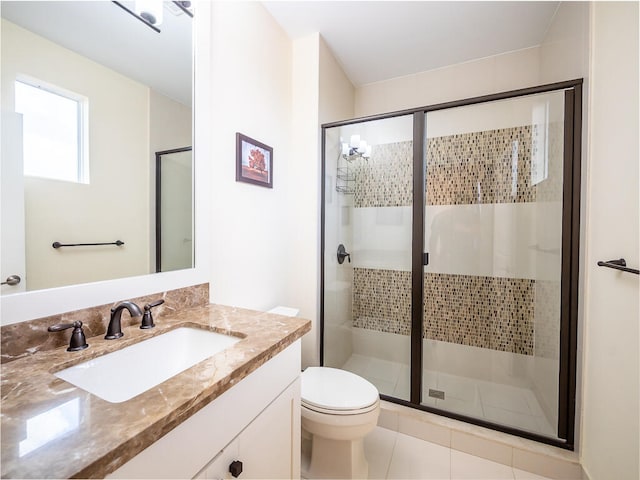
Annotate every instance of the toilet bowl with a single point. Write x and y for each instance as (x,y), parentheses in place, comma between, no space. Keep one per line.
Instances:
(339,409)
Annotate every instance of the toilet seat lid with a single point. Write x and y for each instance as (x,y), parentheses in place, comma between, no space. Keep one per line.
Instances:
(334,389)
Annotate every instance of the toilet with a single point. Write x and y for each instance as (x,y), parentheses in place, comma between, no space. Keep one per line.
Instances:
(339,409)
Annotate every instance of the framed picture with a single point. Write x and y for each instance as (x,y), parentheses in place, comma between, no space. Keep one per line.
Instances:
(254,161)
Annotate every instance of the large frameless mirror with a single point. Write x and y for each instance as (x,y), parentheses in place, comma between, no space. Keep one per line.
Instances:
(90,93)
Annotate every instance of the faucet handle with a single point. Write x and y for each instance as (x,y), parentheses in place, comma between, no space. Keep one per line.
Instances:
(147,318)
(78,341)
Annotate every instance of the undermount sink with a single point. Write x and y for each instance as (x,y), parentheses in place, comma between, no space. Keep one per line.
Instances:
(123,374)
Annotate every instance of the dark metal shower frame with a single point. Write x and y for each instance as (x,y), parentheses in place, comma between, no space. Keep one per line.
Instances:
(570,252)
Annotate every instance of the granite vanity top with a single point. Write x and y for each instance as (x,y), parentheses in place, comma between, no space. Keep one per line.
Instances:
(51,429)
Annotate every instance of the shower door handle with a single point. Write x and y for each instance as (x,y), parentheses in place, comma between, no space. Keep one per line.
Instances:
(425,259)
(342,253)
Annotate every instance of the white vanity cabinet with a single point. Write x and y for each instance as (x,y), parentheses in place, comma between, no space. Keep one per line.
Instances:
(256,422)
(264,448)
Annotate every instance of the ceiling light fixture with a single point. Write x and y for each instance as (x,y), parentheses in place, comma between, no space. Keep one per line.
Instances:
(186,7)
(150,11)
(356,148)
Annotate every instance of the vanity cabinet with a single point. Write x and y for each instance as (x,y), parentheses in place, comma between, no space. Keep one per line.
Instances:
(256,422)
(264,448)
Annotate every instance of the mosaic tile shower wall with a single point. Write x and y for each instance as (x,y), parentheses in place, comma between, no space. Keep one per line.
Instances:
(547,319)
(385,180)
(488,167)
(486,312)
(480,167)
(382,300)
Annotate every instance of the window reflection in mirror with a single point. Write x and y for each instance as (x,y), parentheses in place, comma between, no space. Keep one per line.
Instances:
(137,86)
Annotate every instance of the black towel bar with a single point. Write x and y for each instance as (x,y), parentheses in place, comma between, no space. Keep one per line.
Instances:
(619,264)
(58,244)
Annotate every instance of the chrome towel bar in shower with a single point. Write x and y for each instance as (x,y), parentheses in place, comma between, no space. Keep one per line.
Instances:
(620,264)
(58,244)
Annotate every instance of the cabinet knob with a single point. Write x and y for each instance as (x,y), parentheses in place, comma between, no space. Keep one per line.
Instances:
(235,468)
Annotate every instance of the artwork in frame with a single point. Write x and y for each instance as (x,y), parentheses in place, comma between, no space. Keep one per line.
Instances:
(254,161)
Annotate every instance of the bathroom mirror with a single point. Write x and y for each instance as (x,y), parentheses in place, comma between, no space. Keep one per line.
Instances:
(108,92)
(29,305)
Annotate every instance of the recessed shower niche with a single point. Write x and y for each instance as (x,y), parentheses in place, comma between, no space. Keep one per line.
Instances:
(459,296)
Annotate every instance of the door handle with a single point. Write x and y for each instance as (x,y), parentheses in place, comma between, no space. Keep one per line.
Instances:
(11,280)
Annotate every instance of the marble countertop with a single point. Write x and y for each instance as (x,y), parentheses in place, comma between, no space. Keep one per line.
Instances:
(51,429)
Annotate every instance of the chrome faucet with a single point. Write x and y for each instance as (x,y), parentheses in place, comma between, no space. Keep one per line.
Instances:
(114,330)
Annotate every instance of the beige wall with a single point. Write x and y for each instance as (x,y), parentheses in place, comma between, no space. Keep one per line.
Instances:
(114,204)
(303,204)
(170,126)
(610,424)
(479,77)
(337,94)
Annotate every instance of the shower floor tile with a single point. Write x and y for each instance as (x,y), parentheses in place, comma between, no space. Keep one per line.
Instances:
(503,404)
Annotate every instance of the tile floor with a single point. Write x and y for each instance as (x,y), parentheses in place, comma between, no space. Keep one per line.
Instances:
(498,403)
(394,455)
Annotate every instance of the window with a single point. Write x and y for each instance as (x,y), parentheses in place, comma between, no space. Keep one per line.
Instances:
(54,126)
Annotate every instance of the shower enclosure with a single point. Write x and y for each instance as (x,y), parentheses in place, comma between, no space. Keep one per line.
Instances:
(450,257)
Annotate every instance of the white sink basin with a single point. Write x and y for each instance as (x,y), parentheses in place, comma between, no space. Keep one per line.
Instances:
(123,374)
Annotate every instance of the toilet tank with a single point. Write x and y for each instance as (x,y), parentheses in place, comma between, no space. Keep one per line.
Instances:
(286,311)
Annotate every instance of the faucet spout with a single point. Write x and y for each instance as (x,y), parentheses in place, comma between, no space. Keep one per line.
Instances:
(114,330)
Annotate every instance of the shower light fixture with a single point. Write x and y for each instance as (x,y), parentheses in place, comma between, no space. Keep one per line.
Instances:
(356,148)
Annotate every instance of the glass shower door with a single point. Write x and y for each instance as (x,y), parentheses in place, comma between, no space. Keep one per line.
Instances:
(492,287)
(367,212)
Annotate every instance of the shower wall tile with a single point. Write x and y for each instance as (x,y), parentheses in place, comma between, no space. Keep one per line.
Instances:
(494,307)
(493,166)
(485,312)
(382,238)
(382,300)
(386,179)
(547,319)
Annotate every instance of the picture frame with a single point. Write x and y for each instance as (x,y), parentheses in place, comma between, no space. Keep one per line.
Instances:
(254,161)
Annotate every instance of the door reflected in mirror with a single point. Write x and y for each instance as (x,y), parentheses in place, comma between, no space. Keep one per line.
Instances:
(131,88)
(174,229)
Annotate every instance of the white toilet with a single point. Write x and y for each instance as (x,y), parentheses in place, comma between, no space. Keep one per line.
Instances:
(339,409)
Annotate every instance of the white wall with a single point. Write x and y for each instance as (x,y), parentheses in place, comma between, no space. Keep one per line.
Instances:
(114,205)
(609,439)
(251,94)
